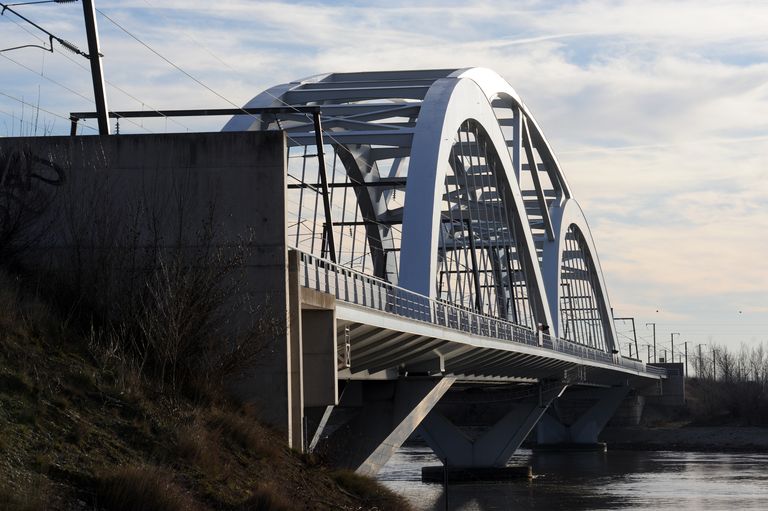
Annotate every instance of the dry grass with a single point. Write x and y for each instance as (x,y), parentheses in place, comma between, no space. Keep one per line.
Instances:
(266,498)
(371,494)
(143,488)
(25,497)
(244,429)
(82,432)
(201,447)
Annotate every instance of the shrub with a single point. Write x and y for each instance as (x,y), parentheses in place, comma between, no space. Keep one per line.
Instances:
(143,488)
(175,323)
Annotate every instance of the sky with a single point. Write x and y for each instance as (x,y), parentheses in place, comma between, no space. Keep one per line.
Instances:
(657,111)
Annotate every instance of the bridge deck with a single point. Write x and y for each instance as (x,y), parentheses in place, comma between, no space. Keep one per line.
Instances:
(391,327)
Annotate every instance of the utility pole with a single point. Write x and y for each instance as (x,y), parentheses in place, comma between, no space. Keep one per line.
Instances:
(634,335)
(672,338)
(654,340)
(686,358)
(648,356)
(700,364)
(97,74)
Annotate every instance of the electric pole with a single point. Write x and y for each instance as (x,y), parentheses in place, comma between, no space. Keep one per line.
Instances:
(97,74)
(700,364)
(634,335)
(672,339)
(654,341)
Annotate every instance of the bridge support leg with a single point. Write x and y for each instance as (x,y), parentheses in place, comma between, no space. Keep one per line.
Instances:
(377,417)
(553,434)
(497,445)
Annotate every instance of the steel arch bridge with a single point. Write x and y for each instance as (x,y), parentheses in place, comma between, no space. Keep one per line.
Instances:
(440,182)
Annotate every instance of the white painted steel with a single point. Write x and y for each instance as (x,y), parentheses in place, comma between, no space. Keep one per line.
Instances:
(411,119)
(448,104)
(563,217)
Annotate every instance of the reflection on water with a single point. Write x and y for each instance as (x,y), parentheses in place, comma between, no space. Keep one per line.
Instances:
(580,481)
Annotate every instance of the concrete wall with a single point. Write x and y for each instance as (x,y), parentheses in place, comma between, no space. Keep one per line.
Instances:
(102,203)
(672,387)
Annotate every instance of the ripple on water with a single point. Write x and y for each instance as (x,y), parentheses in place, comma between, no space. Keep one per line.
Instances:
(659,481)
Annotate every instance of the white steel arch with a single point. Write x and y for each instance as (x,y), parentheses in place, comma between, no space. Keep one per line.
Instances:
(392,142)
(564,217)
(449,103)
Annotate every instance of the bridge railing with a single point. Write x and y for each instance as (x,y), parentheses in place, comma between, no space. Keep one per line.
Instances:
(357,288)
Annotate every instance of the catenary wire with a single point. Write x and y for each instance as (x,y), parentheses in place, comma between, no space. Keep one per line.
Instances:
(79,94)
(40,108)
(114,86)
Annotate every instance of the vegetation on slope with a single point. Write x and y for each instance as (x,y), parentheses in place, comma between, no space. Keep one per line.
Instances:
(90,421)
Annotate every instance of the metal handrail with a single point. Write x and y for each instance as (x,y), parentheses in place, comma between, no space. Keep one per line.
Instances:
(357,288)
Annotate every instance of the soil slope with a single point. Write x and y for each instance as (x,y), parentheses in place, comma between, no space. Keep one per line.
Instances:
(76,435)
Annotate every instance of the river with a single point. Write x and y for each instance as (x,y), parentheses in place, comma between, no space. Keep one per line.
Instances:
(653,480)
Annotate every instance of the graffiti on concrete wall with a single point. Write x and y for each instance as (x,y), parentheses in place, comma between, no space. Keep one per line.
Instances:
(27,183)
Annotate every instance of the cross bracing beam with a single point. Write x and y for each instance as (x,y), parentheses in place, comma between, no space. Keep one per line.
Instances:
(369,223)
(400,137)
(354,110)
(355,94)
(336,124)
(387,153)
(385,76)
(384,183)
(417,82)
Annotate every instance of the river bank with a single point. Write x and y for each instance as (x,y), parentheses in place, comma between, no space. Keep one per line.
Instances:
(687,438)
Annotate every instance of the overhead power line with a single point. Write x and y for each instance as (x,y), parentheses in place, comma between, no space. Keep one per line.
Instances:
(83,96)
(167,60)
(143,103)
(43,2)
(40,108)
(51,37)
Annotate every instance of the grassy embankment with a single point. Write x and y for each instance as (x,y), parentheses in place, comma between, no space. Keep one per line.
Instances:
(80,428)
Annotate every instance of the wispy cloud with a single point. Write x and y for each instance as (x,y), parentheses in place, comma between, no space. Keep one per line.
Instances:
(657,110)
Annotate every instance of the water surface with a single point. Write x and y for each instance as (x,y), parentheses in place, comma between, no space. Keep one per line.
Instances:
(658,481)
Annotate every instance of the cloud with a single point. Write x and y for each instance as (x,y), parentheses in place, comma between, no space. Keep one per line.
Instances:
(658,111)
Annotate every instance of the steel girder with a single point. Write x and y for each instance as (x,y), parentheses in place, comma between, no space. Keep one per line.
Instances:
(475,164)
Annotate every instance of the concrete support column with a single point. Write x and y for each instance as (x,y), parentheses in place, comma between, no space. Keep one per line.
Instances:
(294,355)
(374,418)
(586,428)
(498,444)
